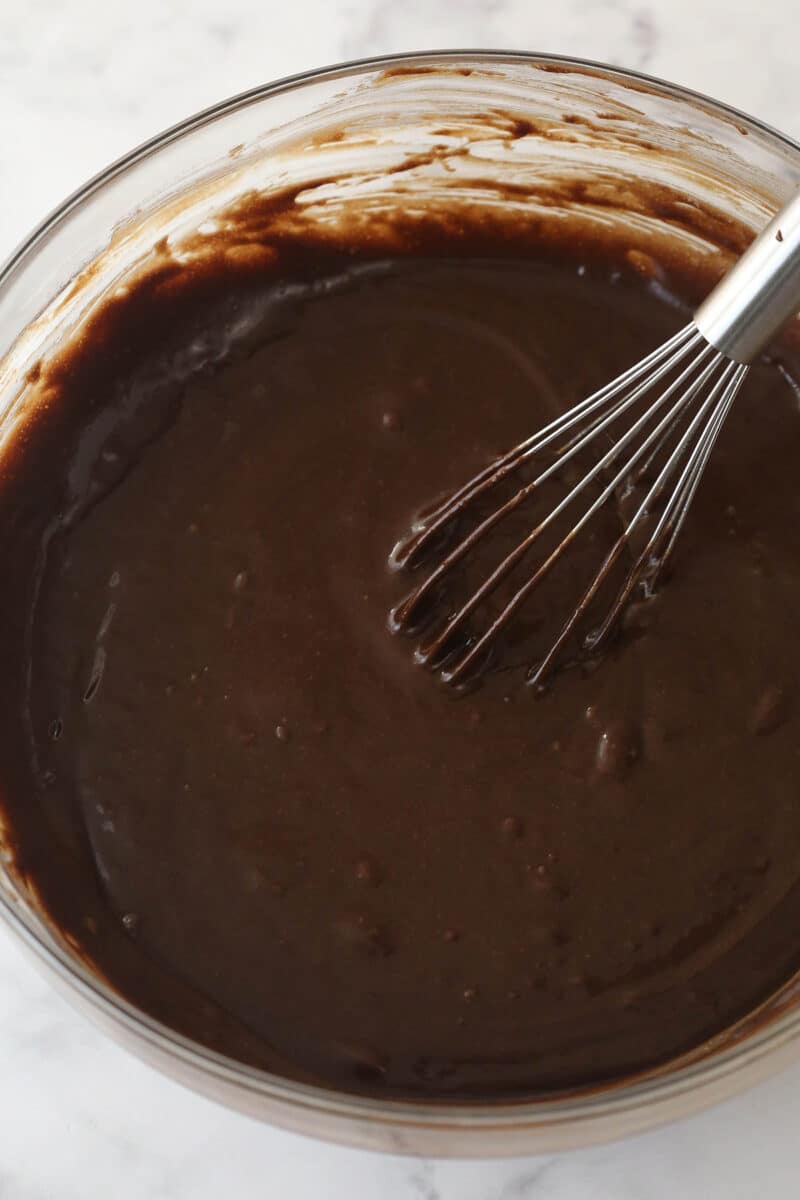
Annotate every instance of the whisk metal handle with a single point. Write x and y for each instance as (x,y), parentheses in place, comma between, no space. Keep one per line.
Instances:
(759,294)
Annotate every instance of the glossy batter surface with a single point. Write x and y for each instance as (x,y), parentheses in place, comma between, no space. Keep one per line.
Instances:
(268,827)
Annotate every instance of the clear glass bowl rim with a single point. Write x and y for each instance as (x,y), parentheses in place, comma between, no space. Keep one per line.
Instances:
(609,1102)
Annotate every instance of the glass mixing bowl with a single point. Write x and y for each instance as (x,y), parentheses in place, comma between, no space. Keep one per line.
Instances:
(416,131)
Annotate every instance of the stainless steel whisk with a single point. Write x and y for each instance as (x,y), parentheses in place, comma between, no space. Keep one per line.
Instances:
(701,370)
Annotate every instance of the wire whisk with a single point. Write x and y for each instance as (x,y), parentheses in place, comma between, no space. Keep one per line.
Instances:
(648,435)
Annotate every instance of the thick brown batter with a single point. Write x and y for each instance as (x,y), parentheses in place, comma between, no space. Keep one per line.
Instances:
(268,827)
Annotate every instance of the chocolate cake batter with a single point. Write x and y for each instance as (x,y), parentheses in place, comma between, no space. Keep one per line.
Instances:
(239,797)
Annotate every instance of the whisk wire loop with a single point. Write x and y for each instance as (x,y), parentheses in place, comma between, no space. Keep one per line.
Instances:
(675,375)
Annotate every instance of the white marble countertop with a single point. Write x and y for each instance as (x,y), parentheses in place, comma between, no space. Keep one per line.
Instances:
(81,81)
